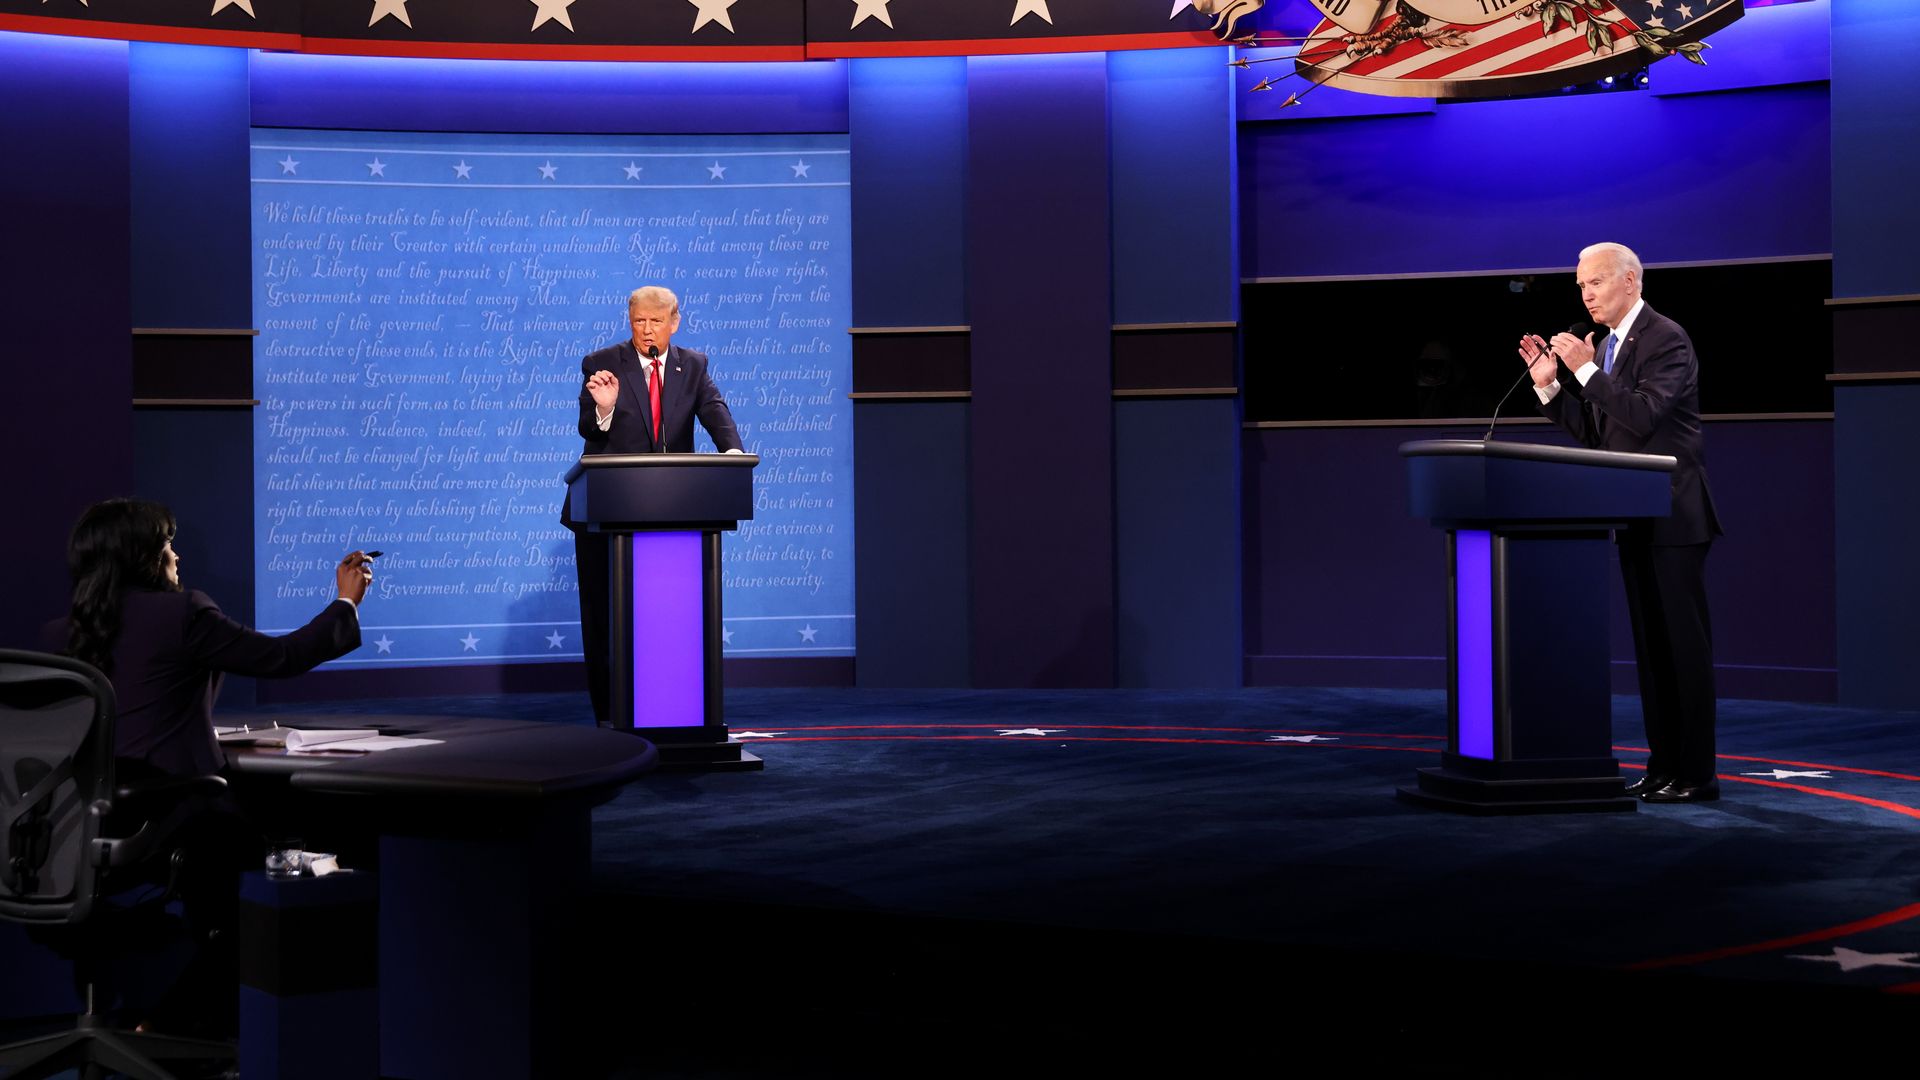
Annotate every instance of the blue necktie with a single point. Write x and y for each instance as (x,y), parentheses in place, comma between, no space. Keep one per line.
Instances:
(1606,363)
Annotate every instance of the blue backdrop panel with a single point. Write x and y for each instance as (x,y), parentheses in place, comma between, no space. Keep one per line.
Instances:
(424,302)
(911,500)
(909,142)
(1876,117)
(1040,294)
(1177,542)
(1878,522)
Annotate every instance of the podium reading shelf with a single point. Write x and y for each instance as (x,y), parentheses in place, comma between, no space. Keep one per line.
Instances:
(663,514)
(1529,708)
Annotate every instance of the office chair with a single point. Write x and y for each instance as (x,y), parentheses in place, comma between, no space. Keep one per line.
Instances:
(58,861)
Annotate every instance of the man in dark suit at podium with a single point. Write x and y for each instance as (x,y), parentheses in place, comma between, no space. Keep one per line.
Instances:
(640,396)
(1637,389)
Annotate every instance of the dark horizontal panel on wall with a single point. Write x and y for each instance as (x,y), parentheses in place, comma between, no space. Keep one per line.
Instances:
(788,671)
(1174,356)
(207,365)
(917,360)
(1874,333)
(1427,348)
(1858,377)
(195,403)
(558,678)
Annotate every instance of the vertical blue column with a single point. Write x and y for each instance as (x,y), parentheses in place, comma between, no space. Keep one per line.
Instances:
(1876,151)
(1040,295)
(67,437)
(907,123)
(1176,458)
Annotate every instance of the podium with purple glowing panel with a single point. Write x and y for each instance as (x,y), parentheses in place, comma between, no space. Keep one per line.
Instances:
(1529,692)
(663,515)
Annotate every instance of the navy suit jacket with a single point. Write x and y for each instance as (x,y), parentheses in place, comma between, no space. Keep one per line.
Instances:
(167,665)
(1649,405)
(689,393)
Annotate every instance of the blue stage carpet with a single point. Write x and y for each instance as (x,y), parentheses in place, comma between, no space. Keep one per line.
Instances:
(1207,877)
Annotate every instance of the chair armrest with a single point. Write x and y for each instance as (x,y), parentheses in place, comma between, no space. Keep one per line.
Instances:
(133,794)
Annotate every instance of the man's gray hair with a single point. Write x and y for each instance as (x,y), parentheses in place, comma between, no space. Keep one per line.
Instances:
(659,296)
(1620,255)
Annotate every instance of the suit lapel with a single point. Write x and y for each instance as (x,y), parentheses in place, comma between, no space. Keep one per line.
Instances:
(673,397)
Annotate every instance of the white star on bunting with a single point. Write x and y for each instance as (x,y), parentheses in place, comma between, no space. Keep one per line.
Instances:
(807,632)
(243,5)
(633,171)
(1032,731)
(472,643)
(1179,6)
(463,171)
(549,171)
(870,9)
(800,169)
(716,171)
(712,11)
(1850,960)
(1788,774)
(376,167)
(1023,8)
(395,8)
(1686,12)
(1301,738)
(552,11)
(554,639)
(385,644)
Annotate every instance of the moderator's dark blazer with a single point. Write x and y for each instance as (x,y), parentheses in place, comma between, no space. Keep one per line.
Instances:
(1649,405)
(689,393)
(167,665)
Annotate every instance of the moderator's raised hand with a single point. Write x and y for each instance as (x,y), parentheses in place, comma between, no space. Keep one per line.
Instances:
(353,575)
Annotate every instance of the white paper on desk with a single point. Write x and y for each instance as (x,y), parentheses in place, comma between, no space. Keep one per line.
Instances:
(315,742)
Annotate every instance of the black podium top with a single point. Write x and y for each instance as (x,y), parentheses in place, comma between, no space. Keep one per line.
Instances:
(1469,482)
(636,492)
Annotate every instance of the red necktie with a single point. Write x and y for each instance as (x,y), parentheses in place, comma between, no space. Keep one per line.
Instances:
(653,397)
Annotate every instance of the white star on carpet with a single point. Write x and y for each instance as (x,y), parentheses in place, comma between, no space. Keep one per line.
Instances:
(463,170)
(1850,960)
(1301,738)
(1788,774)
(376,167)
(552,11)
(726,636)
(287,165)
(712,11)
(549,171)
(472,643)
(395,8)
(1032,731)
(800,170)
(757,734)
(384,644)
(870,9)
(243,5)
(1023,8)
(716,171)
(554,639)
(807,632)
(633,171)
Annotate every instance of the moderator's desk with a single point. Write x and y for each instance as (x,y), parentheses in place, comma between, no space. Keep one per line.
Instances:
(483,845)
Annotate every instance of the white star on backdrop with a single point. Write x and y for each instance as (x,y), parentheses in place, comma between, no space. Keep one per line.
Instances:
(395,8)
(757,734)
(463,170)
(288,165)
(1787,774)
(716,171)
(633,171)
(1023,8)
(552,11)
(870,9)
(807,632)
(712,11)
(1850,960)
(376,167)
(554,639)
(243,5)
(726,636)
(1032,731)
(549,171)
(385,644)
(1301,738)
(800,170)
(472,643)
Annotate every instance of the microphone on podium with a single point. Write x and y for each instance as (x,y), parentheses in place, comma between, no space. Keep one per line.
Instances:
(1579,330)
